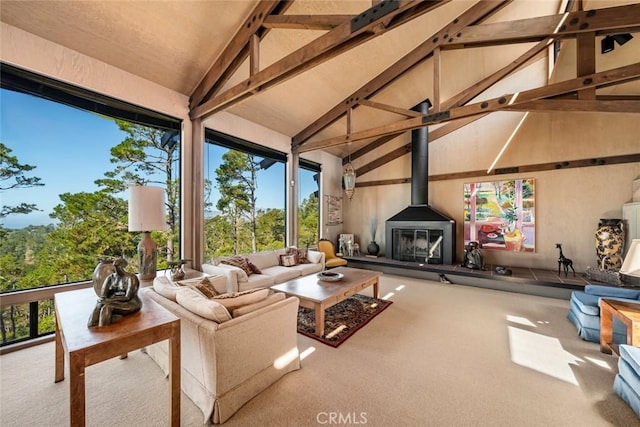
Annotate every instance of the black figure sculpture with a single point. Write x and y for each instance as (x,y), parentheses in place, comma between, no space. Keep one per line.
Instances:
(118,294)
(564,261)
(472,257)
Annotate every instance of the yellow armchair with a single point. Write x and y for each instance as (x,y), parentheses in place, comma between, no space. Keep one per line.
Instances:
(331,260)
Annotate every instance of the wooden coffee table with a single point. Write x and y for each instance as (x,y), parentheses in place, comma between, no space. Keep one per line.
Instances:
(87,346)
(319,295)
(628,313)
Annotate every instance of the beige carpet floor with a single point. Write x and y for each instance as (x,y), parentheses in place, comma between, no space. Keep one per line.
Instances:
(441,355)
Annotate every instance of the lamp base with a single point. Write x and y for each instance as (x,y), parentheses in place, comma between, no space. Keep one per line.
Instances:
(148,256)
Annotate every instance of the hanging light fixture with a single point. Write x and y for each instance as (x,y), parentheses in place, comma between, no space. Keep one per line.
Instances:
(349,179)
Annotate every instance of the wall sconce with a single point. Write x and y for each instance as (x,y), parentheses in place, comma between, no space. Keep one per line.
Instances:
(147,214)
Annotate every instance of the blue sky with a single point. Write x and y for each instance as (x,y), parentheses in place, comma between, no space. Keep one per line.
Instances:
(70,149)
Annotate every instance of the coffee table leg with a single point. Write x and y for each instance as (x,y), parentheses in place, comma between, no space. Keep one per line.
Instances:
(376,289)
(606,328)
(319,320)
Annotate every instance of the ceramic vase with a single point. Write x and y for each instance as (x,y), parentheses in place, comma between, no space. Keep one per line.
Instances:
(373,248)
(610,243)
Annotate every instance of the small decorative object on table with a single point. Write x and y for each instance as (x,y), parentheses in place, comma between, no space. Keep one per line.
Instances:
(177,269)
(117,292)
(329,276)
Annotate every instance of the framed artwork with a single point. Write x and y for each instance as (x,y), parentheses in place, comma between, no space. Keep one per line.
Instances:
(501,215)
(334,210)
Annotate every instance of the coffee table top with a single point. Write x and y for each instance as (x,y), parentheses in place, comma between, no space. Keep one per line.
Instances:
(313,289)
(627,309)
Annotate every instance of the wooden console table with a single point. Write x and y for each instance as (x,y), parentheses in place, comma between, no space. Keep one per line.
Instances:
(87,346)
(628,313)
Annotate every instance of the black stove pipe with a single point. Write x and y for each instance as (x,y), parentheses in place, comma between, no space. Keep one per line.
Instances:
(420,160)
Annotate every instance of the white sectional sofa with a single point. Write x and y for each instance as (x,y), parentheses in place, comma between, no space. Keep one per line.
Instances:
(271,272)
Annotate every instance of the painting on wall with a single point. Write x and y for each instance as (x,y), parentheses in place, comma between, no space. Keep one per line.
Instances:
(334,210)
(500,215)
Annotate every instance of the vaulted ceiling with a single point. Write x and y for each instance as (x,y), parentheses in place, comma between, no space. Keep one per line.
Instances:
(342,75)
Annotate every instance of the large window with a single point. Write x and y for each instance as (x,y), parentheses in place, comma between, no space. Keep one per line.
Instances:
(244,196)
(67,157)
(308,206)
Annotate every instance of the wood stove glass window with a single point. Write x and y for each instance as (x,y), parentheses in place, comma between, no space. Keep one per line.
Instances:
(417,245)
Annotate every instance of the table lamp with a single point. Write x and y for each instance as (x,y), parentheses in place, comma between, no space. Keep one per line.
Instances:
(147,214)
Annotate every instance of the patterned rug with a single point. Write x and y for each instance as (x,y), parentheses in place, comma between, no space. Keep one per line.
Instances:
(342,320)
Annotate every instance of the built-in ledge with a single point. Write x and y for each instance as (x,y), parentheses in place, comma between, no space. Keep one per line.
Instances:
(524,280)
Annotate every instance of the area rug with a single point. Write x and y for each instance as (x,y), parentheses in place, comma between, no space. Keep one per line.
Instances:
(342,320)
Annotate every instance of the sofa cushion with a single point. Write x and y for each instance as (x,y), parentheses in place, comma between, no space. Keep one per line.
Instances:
(238,261)
(281,274)
(279,296)
(263,259)
(632,356)
(237,299)
(256,281)
(165,287)
(610,291)
(588,304)
(254,268)
(306,269)
(197,303)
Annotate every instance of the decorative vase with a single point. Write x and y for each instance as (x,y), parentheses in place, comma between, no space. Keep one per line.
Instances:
(610,243)
(373,248)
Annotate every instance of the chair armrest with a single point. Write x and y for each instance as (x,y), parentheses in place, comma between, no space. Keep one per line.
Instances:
(232,278)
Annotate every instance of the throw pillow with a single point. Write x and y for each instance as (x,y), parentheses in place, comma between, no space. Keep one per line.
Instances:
(288,260)
(236,299)
(197,303)
(218,283)
(314,256)
(273,298)
(300,253)
(254,268)
(206,288)
(238,261)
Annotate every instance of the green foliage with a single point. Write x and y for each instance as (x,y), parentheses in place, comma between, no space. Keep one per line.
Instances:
(12,176)
(308,214)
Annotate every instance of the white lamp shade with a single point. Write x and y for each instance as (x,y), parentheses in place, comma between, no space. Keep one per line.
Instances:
(146,209)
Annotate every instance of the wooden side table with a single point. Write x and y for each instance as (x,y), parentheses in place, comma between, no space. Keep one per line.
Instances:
(87,346)
(628,313)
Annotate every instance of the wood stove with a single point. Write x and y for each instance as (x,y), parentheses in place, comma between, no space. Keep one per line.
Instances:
(420,233)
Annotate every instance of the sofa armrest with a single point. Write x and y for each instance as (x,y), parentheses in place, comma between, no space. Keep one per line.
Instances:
(235,351)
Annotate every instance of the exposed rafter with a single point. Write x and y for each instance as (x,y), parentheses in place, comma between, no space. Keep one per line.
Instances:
(601,21)
(343,37)
(604,78)
(305,22)
(471,16)
(236,51)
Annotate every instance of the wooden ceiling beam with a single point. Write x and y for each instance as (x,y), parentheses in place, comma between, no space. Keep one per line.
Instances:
(236,51)
(471,16)
(621,74)
(581,163)
(305,22)
(609,20)
(390,108)
(579,105)
(336,41)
